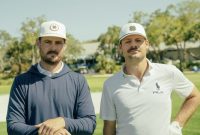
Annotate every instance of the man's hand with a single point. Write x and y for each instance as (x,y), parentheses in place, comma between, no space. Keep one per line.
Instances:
(62,132)
(175,128)
(51,126)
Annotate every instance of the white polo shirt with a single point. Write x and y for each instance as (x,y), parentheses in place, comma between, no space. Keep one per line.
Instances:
(143,108)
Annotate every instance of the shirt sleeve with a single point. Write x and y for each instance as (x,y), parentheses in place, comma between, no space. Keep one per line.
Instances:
(84,121)
(16,115)
(182,85)
(107,108)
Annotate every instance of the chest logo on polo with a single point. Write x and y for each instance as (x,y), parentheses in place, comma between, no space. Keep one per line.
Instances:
(158,89)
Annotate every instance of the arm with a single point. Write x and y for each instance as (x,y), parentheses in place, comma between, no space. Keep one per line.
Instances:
(109,127)
(186,89)
(108,111)
(84,121)
(188,107)
(16,117)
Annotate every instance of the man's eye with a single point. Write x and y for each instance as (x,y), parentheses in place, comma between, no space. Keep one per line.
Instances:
(127,42)
(59,43)
(138,40)
(47,42)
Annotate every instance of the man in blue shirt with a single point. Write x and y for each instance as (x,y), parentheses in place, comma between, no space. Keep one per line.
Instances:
(50,99)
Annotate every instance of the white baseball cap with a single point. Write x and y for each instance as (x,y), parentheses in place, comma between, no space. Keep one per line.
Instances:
(52,28)
(131,29)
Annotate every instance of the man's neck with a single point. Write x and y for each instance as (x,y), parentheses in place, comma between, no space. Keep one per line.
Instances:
(51,68)
(137,69)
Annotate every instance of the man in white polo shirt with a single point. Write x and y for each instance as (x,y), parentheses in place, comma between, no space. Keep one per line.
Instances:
(137,100)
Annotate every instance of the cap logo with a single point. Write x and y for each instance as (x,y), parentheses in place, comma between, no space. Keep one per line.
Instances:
(132,28)
(54,27)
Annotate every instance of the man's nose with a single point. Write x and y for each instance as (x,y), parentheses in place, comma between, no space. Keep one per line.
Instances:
(133,43)
(53,46)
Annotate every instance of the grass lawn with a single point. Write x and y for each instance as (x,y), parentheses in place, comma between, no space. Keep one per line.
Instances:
(3,128)
(192,128)
(4,89)
(96,83)
(98,130)
(194,77)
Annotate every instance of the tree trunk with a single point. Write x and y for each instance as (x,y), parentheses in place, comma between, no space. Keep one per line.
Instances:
(33,55)
(180,57)
(157,53)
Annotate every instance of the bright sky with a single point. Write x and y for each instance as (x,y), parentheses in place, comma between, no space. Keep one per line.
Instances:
(84,19)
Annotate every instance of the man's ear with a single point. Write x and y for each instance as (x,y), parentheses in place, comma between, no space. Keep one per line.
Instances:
(147,44)
(120,48)
(65,46)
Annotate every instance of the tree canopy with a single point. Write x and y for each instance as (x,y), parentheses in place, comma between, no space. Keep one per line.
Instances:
(174,26)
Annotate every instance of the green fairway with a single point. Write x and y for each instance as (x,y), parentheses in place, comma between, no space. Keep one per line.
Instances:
(4,89)
(99,128)
(96,82)
(194,77)
(192,128)
(3,128)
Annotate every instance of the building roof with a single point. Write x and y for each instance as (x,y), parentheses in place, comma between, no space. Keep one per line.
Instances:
(89,49)
(163,46)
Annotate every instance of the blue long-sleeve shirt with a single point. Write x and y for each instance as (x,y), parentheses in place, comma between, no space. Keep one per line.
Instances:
(35,98)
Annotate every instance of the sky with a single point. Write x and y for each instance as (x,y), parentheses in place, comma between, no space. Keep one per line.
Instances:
(84,19)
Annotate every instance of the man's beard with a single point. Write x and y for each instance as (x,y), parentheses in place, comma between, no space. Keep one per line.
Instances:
(50,60)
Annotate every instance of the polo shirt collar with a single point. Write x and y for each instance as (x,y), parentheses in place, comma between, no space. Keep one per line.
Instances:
(148,72)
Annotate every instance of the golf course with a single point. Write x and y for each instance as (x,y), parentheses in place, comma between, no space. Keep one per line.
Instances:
(96,82)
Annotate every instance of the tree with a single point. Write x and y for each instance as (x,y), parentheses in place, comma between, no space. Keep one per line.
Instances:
(155,30)
(5,40)
(109,42)
(108,50)
(30,31)
(2,63)
(17,57)
(140,17)
(184,16)
(195,31)
(105,64)
(21,53)
(73,50)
